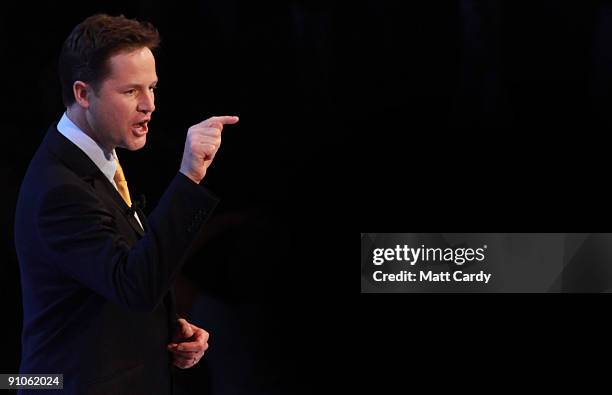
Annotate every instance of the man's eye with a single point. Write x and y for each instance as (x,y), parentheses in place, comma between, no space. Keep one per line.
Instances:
(130,92)
(153,88)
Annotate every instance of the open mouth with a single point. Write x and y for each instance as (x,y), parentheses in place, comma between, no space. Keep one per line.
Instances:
(141,128)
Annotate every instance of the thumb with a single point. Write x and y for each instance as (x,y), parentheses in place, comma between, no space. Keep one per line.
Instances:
(185,330)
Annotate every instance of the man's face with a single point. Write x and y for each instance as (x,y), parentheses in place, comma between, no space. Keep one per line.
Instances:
(119,112)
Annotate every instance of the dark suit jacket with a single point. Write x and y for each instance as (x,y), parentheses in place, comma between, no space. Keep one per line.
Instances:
(96,288)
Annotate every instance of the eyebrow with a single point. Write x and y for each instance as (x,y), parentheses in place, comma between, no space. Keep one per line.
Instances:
(129,86)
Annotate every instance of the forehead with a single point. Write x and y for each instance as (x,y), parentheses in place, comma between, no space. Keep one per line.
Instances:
(136,66)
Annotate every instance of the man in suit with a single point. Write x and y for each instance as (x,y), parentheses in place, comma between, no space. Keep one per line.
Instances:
(96,273)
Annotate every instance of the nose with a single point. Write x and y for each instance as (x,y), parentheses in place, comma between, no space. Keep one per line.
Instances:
(147,103)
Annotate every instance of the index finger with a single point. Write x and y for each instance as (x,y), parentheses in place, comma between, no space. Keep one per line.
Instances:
(190,346)
(223,120)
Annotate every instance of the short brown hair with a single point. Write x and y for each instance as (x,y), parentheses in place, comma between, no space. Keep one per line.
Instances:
(85,53)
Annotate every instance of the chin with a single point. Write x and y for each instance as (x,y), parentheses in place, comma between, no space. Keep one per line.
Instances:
(137,144)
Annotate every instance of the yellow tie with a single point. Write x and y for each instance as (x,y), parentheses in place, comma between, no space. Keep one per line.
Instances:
(122,184)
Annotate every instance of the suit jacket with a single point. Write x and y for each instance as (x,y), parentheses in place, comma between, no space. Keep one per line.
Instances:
(96,288)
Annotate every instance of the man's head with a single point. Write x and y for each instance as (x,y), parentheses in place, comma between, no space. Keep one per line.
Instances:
(107,72)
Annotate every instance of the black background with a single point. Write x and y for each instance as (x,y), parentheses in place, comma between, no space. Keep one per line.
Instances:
(458,116)
(484,116)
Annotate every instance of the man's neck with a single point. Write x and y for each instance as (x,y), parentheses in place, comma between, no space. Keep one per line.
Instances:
(79,119)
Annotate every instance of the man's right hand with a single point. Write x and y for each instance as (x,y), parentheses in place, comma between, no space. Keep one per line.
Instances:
(203,141)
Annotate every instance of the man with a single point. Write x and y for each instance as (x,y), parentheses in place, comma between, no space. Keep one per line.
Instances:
(96,274)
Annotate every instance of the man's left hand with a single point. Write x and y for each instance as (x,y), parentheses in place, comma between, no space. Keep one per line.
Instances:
(190,344)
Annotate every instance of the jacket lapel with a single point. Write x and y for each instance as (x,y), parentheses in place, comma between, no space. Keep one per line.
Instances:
(123,207)
(80,163)
(143,218)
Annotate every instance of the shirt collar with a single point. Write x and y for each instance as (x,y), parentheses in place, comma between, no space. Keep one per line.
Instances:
(105,161)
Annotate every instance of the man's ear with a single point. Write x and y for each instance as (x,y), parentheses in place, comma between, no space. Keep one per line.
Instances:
(81,92)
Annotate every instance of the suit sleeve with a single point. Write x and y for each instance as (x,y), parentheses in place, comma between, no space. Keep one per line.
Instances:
(82,240)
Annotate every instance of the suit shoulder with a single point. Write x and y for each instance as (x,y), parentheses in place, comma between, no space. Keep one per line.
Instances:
(49,174)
